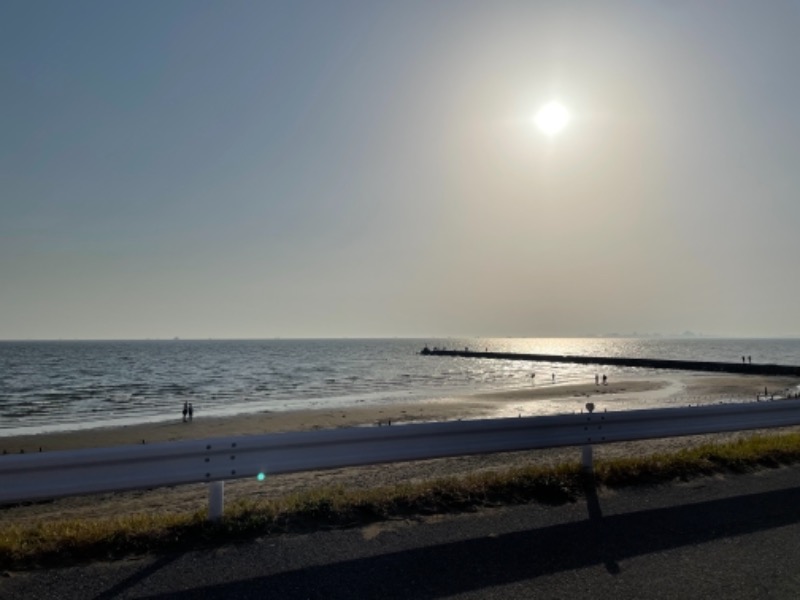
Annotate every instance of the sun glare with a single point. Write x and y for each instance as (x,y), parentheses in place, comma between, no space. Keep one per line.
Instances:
(552,118)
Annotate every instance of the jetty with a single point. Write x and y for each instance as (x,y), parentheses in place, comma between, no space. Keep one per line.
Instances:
(619,361)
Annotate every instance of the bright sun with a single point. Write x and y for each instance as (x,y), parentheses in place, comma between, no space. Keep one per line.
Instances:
(552,118)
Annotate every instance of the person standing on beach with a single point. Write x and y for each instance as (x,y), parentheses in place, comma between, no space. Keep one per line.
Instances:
(185,410)
(191,411)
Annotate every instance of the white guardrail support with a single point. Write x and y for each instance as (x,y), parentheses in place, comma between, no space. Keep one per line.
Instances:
(30,477)
(216,500)
(587,458)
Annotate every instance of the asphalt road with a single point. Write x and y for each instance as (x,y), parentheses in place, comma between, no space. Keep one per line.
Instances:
(723,537)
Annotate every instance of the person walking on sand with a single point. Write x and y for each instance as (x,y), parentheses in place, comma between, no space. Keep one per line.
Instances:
(185,410)
(191,411)
(596,379)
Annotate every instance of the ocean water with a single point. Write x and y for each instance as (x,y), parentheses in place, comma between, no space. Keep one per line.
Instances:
(65,385)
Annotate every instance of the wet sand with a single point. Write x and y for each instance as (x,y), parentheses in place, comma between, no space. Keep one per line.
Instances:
(682,389)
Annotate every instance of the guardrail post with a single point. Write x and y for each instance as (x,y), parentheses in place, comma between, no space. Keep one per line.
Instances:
(216,500)
(586,458)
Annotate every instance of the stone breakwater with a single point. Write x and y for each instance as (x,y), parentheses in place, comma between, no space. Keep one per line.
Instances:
(650,363)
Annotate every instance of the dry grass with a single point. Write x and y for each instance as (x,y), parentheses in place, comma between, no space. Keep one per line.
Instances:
(738,456)
(69,541)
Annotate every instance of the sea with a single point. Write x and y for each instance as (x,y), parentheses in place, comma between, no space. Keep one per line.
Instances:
(48,386)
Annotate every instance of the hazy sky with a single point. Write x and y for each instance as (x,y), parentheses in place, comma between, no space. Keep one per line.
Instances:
(328,169)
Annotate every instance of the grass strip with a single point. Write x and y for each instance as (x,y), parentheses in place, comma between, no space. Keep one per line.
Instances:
(70,541)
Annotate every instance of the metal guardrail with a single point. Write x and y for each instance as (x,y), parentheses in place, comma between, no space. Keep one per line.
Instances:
(49,475)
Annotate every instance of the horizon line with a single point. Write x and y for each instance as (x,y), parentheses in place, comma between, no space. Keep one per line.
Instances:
(634,335)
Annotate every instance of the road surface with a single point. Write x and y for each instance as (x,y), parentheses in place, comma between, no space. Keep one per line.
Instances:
(722,537)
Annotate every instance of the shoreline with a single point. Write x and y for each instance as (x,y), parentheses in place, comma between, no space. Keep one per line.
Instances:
(539,399)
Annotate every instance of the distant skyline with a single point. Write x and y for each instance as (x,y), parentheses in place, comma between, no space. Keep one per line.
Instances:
(329,169)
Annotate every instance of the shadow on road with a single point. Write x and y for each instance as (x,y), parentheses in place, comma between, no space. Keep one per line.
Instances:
(474,564)
(137,577)
(597,537)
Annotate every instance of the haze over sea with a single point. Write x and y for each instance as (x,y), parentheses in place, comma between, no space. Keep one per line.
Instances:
(66,385)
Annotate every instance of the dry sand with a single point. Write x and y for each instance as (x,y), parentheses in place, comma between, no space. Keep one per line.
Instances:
(681,389)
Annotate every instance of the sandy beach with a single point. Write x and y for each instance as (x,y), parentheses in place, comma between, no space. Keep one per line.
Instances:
(683,389)
(500,404)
